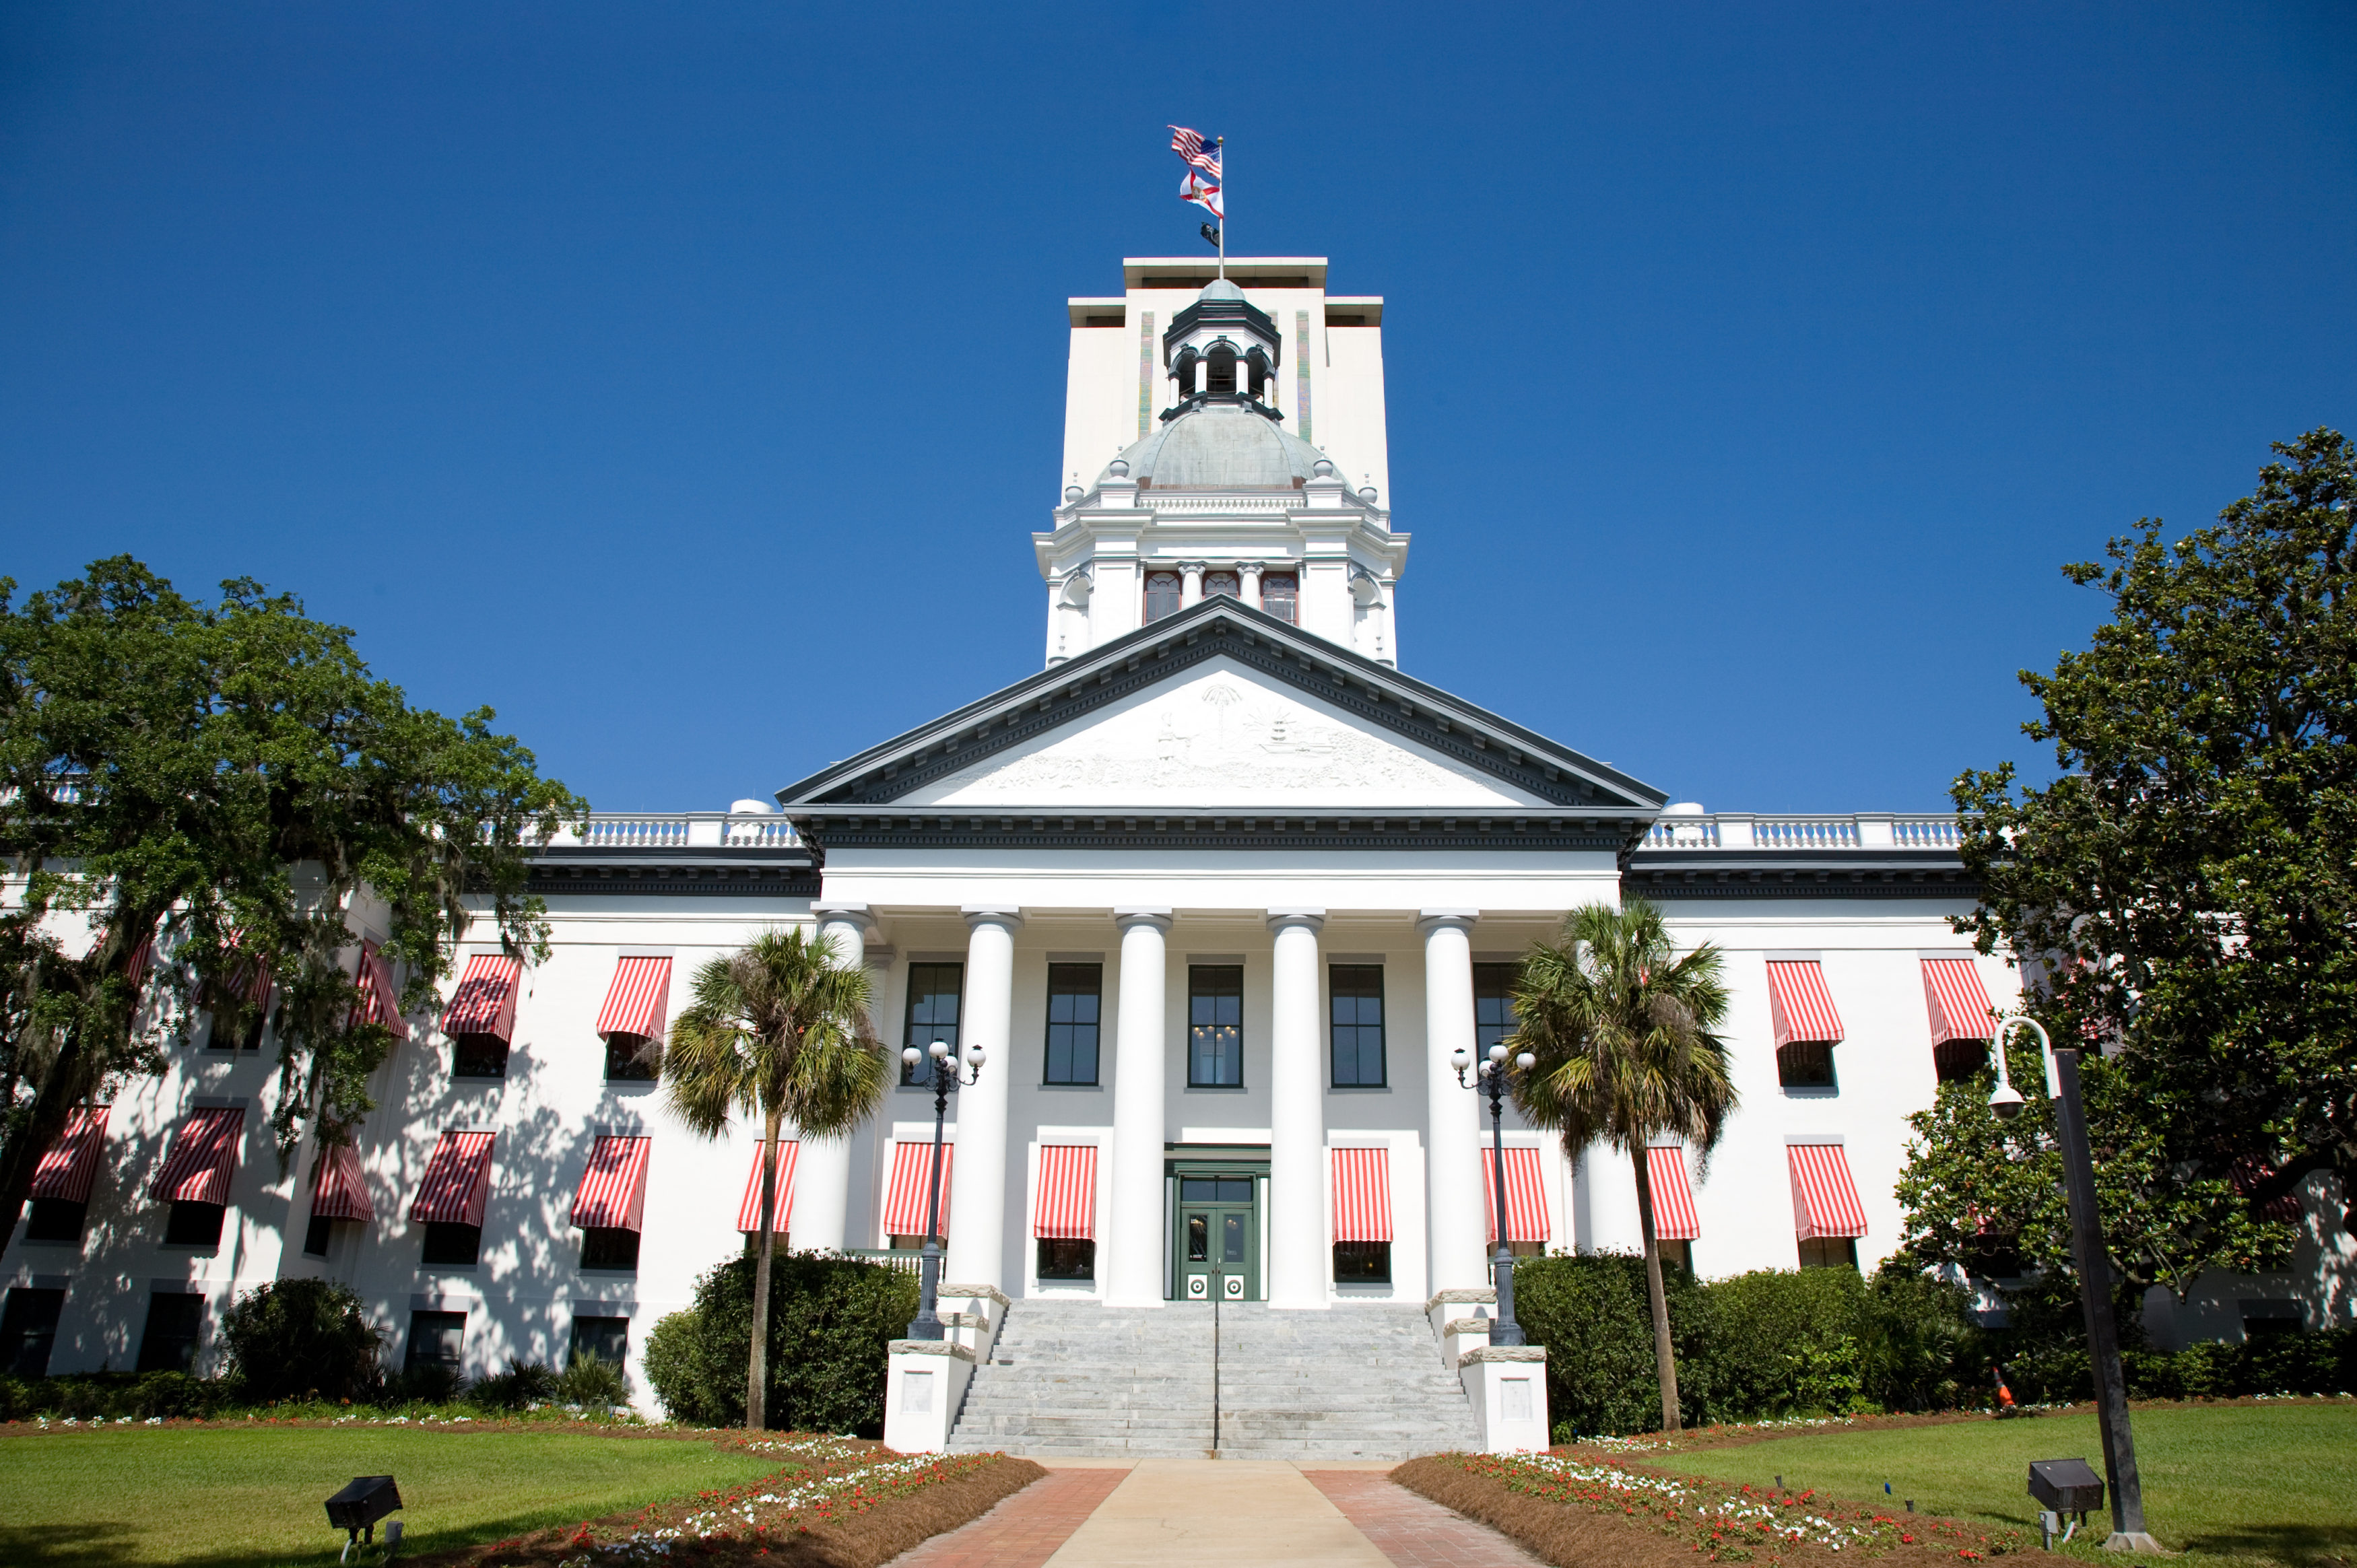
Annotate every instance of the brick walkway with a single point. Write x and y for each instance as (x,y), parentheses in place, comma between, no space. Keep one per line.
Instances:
(1025,1531)
(1412,1530)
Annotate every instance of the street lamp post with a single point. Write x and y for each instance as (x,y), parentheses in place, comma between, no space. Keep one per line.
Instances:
(1490,1078)
(2094,1273)
(927,1324)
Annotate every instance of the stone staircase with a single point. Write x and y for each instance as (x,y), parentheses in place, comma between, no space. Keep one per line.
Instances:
(1077,1379)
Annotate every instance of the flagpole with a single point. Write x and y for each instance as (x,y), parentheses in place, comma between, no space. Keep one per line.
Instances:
(1221,142)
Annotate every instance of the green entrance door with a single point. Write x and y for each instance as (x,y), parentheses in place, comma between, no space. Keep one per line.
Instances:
(1218,1239)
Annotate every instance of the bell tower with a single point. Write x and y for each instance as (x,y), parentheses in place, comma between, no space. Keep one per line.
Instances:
(1224,436)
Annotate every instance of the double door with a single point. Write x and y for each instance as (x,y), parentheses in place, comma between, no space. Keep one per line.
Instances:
(1216,1238)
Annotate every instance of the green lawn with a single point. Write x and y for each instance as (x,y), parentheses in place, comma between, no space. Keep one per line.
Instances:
(246,1496)
(2265,1483)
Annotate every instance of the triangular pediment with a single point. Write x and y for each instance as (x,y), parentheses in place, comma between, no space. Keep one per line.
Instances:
(1222,707)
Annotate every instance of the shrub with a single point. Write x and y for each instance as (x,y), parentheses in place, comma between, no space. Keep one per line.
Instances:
(1787,1341)
(831,1322)
(293,1338)
(1922,1348)
(593,1380)
(524,1383)
(428,1383)
(1591,1313)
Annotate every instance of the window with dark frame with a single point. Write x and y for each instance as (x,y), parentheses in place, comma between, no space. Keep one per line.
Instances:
(1355,1024)
(1675,1254)
(1957,1060)
(1805,1064)
(175,1322)
(1493,1003)
(1161,596)
(317,1235)
(477,1056)
(1075,1006)
(55,1219)
(1279,594)
(193,1225)
(606,1340)
(1829,1252)
(1215,1025)
(450,1244)
(609,1247)
(28,1329)
(1362,1263)
(932,1014)
(1068,1258)
(435,1339)
(632,1058)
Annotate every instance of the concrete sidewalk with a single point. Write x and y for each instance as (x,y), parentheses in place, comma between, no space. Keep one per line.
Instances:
(1216,1511)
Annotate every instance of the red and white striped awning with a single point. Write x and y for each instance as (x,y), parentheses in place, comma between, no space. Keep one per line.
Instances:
(69,1167)
(1362,1195)
(1526,1210)
(141,956)
(613,1192)
(338,1189)
(904,1204)
(1824,1197)
(458,1181)
(204,1156)
(485,1002)
(637,999)
(1800,1004)
(380,1000)
(749,1212)
(1959,1002)
(249,973)
(1674,1207)
(1067,1192)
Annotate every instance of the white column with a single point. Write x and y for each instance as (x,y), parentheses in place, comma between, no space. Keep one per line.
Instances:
(1298,1268)
(1609,1191)
(1248,583)
(822,1196)
(978,1176)
(1130,1241)
(1453,1137)
(1190,583)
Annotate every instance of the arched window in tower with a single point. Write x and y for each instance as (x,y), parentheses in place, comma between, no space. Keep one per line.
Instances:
(1279,596)
(1161,596)
(1217,583)
(1222,360)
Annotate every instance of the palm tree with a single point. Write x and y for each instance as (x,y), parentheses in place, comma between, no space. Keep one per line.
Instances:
(1621,1026)
(777,1029)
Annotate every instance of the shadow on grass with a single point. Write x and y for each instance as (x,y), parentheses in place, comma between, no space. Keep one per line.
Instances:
(93,1543)
(2291,1543)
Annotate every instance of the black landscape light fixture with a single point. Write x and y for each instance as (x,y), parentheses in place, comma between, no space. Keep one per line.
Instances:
(947,1074)
(2088,1250)
(1490,1078)
(356,1510)
(2060,1486)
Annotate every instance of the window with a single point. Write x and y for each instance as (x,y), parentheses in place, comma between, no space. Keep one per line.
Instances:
(1215,1025)
(1218,585)
(932,1014)
(435,1339)
(1957,1060)
(603,1247)
(1493,1003)
(174,1321)
(477,1056)
(1362,1263)
(1994,1255)
(632,1058)
(1805,1064)
(1278,596)
(193,1225)
(1679,1254)
(606,1340)
(55,1219)
(1075,998)
(1161,596)
(1067,1257)
(1355,1024)
(1829,1252)
(28,1328)
(452,1245)
(315,1237)
(250,1040)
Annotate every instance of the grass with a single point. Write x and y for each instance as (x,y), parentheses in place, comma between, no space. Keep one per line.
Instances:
(238,1495)
(2266,1484)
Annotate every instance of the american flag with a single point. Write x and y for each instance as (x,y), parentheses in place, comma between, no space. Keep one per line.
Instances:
(1197,152)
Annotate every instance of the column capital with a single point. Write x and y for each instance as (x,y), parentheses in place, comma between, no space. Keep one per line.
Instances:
(1313,919)
(879,955)
(848,914)
(990,915)
(1158,919)
(1430,920)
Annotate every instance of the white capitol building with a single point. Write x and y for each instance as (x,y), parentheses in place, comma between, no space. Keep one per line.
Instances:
(1219,890)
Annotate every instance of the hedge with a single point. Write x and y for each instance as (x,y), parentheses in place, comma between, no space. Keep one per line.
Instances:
(831,1322)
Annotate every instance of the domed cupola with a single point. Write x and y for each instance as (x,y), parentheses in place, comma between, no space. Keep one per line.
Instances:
(1221,349)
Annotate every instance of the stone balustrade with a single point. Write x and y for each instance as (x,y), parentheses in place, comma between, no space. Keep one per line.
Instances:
(678,830)
(1746,829)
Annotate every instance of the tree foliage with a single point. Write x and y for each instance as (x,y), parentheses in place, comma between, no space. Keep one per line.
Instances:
(214,785)
(831,1321)
(2186,890)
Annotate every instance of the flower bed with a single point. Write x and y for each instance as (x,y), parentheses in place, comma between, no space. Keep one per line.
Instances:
(1598,1514)
(833,1501)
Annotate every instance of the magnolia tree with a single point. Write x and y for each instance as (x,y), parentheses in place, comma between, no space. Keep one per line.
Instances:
(192,796)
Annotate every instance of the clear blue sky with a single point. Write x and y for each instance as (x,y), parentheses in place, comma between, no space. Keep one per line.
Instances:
(685,381)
